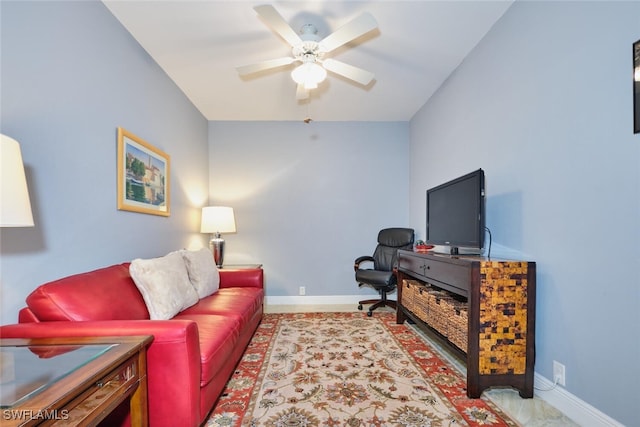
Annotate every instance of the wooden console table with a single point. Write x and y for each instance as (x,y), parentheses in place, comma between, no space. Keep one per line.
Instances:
(500,299)
(72,381)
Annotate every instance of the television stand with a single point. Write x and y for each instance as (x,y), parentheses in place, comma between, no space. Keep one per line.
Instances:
(490,317)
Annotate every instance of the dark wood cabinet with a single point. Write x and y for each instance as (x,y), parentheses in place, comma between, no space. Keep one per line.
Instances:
(497,300)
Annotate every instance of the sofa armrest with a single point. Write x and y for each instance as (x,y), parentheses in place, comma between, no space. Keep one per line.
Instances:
(250,277)
(173,359)
(25,315)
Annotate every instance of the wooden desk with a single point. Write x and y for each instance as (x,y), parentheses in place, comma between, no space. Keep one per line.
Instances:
(72,381)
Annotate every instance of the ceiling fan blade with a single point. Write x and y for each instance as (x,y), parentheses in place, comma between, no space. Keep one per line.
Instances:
(278,24)
(265,65)
(349,71)
(350,31)
(301,92)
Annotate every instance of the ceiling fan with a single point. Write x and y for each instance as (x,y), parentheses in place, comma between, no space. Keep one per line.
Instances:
(309,50)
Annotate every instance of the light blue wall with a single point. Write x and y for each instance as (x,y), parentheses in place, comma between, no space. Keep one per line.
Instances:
(309,198)
(544,105)
(71,74)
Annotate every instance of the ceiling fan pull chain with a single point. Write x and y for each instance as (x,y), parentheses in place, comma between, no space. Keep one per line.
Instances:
(308,119)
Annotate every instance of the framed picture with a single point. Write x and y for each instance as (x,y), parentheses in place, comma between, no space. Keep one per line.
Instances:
(636,87)
(143,176)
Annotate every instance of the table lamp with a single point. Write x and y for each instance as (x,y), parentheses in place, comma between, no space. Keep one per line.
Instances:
(216,220)
(15,207)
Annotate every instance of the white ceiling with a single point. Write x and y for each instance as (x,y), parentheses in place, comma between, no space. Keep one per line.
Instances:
(417,45)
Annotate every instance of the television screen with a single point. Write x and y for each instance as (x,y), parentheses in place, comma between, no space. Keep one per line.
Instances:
(455,212)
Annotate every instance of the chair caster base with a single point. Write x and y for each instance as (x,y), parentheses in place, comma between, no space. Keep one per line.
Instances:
(369,313)
(360,307)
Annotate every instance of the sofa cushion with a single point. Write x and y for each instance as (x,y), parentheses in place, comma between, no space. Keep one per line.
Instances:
(203,272)
(218,337)
(240,303)
(104,294)
(164,285)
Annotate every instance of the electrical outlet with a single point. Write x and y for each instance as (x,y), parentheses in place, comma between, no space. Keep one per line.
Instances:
(302,290)
(558,373)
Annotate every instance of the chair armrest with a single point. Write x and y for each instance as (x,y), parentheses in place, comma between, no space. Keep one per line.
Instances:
(359,260)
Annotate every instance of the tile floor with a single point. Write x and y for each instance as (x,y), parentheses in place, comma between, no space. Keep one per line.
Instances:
(527,412)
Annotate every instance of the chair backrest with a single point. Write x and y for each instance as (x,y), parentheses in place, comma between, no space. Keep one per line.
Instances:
(389,241)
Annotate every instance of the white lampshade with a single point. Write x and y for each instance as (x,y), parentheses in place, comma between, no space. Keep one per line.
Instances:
(636,74)
(218,219)
(309,74)
(15,207)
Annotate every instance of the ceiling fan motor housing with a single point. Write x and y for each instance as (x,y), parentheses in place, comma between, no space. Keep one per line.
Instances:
(308,51)
(309,32)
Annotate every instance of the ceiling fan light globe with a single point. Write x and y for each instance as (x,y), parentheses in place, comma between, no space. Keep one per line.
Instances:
(309,74)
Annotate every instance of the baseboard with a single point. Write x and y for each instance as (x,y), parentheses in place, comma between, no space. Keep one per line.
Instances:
(578,410)
(315,300)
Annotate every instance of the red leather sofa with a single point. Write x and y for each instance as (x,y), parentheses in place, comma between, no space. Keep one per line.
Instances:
(192,355)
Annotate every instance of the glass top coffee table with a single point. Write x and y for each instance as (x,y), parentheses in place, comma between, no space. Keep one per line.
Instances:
(72,381)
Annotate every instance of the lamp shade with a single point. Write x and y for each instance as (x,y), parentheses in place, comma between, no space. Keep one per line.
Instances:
(218,219)
(15,208)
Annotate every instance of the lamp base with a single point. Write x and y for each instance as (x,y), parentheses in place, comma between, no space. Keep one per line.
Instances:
(216,244)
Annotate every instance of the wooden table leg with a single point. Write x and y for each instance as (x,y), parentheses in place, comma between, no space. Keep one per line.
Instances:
(139,404)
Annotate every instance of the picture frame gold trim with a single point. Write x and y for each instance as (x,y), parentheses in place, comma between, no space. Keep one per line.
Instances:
(143,176)
(636,87)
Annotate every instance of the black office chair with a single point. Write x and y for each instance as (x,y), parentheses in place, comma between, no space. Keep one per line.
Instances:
(383,277)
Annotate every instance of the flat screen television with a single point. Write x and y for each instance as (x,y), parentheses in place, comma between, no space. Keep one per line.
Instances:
(455,213)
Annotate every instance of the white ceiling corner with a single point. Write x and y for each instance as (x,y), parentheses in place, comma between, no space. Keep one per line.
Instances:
(417,45)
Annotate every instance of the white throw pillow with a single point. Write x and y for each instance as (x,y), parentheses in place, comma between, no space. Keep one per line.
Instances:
(203,272)
(164,285)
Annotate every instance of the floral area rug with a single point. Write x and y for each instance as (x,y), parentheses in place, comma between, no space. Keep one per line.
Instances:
(346,369)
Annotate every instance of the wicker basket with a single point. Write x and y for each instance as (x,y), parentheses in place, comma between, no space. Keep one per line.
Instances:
(439,310)
(458,324)
(409,290)
(421,303)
